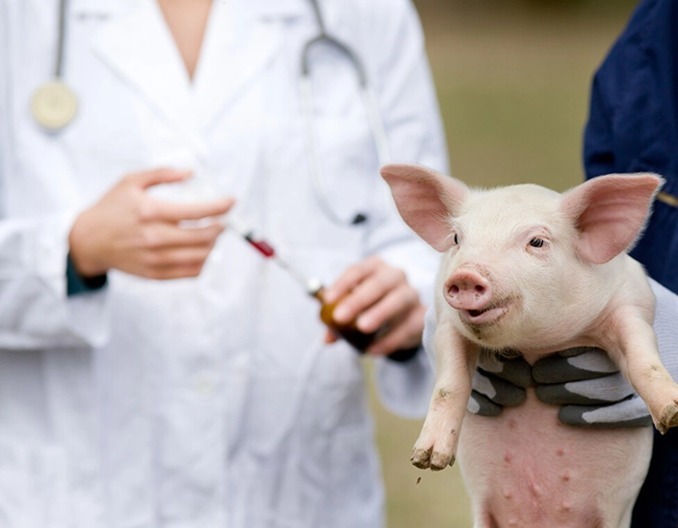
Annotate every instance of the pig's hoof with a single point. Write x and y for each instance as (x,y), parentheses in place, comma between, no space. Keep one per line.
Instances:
(441,461)
(669,418)
(421,458)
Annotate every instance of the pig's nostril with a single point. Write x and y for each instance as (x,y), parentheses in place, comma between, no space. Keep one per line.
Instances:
(480,289)
(454,289)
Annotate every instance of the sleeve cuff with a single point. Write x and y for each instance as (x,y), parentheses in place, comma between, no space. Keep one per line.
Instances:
(77,284)
(404,356)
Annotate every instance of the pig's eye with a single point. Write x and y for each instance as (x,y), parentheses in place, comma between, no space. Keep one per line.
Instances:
(455,239)
(537,242)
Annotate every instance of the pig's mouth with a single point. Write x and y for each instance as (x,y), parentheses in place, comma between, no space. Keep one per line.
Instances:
(487,316)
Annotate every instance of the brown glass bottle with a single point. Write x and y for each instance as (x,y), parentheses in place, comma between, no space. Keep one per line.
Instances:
(352,335)
(347,331)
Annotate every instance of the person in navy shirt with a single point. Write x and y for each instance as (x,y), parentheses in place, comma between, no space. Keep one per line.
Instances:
(633,127)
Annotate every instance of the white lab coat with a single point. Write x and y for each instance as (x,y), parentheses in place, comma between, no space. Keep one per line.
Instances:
(209,402)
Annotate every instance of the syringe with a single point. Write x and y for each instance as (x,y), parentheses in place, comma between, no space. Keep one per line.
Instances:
(312,286)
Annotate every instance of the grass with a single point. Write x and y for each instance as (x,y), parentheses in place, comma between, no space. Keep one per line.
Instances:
(513,87)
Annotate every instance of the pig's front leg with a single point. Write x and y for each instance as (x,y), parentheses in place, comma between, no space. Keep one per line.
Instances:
(455,359)
(640,362)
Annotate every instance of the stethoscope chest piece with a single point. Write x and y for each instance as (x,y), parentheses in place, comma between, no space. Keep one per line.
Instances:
(54,105)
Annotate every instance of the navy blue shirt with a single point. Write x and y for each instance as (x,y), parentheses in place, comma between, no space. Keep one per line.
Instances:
(633,127)
(633,123)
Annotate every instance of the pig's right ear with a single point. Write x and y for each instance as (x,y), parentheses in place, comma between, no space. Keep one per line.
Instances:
(426,200)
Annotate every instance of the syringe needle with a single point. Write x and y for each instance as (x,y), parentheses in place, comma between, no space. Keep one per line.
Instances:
(311,285)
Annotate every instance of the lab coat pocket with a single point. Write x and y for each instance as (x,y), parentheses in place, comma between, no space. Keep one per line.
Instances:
(33,486)
(344,170)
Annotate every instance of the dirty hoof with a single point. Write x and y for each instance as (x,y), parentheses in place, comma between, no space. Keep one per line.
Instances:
(669,418)
(440,461)
(421,458)
(429,459)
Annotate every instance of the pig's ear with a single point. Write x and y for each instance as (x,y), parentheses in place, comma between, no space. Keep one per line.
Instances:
(426,200)
(610,213)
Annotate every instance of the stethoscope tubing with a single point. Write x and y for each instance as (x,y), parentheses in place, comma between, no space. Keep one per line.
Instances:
(59,62)
(370,104)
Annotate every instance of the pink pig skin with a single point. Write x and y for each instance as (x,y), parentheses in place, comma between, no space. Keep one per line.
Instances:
(528,269)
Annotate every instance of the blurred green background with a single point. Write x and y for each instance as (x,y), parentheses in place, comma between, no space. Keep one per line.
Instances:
(513,80)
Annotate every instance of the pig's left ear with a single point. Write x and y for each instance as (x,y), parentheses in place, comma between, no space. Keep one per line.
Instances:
(610,213)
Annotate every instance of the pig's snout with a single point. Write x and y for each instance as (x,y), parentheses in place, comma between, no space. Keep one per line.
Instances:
(468,290)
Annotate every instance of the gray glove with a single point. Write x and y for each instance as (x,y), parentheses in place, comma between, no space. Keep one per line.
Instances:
(590,389)
(583,381)
(498,382)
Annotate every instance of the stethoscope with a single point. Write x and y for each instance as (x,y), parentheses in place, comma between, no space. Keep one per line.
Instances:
(371,107)
(54,106)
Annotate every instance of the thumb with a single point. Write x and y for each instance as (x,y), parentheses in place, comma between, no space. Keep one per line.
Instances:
(153,177)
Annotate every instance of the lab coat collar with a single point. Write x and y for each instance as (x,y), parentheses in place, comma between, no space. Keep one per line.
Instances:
(138,46)
(241,37)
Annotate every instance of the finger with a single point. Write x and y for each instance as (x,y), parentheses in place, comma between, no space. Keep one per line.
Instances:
(330,337)
(629,413)
(372,290)
(393,305)
(350,278)
(171,272)
(515,370)
(147,179)
(482,406)
(593,363)
(175,212)
(161,235)
(159,262)
(612,388)
(400,334)
(498,390)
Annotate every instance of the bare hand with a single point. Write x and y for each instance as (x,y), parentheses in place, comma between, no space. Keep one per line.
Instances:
(131,231)
(378,297)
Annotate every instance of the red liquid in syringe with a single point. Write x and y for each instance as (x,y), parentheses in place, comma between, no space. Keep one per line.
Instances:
(261,246)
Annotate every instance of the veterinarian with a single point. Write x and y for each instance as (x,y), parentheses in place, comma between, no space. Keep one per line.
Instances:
(632,127)
(156,371)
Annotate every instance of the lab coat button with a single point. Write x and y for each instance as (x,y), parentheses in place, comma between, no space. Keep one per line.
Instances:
(204,384)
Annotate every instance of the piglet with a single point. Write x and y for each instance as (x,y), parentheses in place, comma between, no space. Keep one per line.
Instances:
(526,270)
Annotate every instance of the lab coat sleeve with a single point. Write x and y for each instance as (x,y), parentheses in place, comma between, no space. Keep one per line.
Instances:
(411,116)
(35,312)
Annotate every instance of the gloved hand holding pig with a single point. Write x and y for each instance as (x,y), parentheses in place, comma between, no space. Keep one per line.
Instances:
(584,382)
